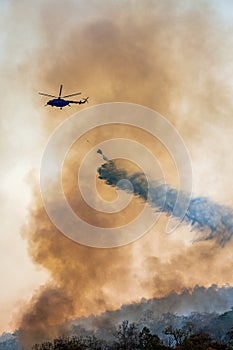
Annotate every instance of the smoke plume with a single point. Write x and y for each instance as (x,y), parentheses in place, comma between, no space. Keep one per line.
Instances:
(200,300)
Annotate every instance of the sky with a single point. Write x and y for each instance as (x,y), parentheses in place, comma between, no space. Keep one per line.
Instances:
(174,57)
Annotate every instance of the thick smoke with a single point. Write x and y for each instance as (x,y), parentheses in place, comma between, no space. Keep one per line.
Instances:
(154,53)
(200,300)
(213,220)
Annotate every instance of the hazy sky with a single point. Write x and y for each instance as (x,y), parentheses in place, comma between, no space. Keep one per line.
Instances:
(37,42)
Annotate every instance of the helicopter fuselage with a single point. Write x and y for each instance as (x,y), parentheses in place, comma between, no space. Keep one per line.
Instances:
(58,102)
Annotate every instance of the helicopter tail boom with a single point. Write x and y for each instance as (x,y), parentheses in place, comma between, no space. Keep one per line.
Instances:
(84,100)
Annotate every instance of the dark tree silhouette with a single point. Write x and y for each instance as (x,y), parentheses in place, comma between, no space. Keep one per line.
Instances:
(148,341)
(127,336)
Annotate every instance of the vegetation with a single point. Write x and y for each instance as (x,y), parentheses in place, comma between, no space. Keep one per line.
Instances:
(127,336)
(148,329)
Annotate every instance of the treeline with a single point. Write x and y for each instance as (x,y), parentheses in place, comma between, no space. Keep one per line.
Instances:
(127,336)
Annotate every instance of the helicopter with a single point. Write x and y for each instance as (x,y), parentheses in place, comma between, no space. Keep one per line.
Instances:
(60,102)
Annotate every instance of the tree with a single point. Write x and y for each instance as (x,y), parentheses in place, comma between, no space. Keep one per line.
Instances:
(148,341)
(67,343)
(127,336)
(177,334)
(229,337)
(198,341)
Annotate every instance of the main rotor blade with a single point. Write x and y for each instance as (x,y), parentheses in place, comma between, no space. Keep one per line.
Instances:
(60,91)
(77,93)
(41,93)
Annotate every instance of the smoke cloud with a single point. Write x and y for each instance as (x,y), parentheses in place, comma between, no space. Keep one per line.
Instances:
(202,300)
(171,56)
